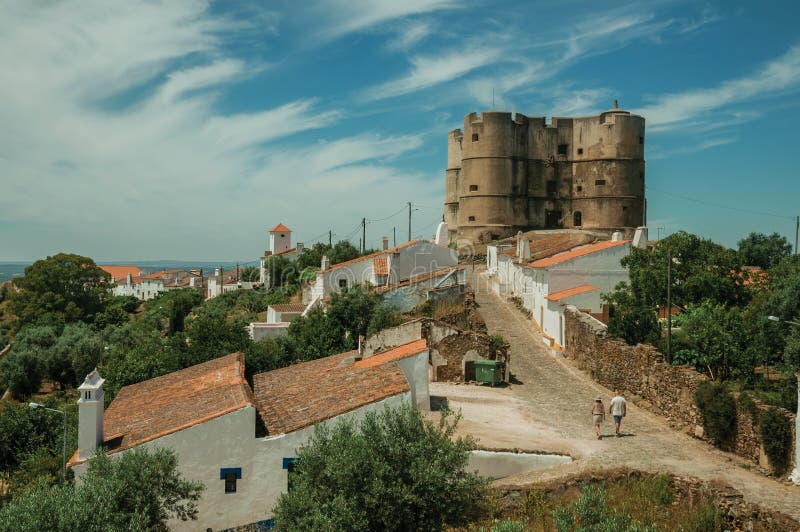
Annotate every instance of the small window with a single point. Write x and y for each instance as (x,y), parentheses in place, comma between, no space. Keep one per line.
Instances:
(580,188)
(471,219)
(290,475)
(551,188)
(474,137)
(577,219)
(580,151)
(562,149)
(283,236)
(230,482)
(624,208)
(641,140)
(473,188)
(342,283)
(600,182)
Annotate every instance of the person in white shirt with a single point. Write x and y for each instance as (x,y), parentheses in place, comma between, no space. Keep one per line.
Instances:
(618,408)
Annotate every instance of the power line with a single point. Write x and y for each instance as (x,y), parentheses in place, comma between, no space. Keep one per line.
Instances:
(718,206)
(388,217)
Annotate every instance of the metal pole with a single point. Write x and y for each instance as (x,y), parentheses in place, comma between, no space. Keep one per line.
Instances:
(669,307)
(409,221)
(64,447)
(363,235)
(394,237)
(330,238)
(796,231)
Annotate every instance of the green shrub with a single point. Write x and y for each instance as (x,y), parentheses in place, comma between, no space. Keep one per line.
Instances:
(776,435)
(705,518)
(747,404)
(506,525)
(719,412)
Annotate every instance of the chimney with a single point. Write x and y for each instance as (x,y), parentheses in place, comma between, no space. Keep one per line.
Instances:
(325,263)
(299,247)
(360,345)
(218,272)
(191,281)
(616,236)
(616,104)
(640,238)
(129,279)
(385,243)
(90,415)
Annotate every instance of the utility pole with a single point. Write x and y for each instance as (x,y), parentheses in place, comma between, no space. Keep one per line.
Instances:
(394,237)
(796,231)
(669,307)
(363,235)
(409,221)
(330,238)
(237,272)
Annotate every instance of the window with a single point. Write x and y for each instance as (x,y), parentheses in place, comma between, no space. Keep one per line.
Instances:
(230,475)
(641,140)
(580,151)
(282,236)
(342,283)
(624,208)
(577,220)
(471,219)
(551,188)
(473,188)
(580,188)
(290,464)
(600,182)
(474,137)
(562,149)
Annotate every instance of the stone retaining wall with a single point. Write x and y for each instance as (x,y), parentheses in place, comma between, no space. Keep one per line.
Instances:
(642,372)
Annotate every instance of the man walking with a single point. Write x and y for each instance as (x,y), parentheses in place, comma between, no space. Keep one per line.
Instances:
(618,408)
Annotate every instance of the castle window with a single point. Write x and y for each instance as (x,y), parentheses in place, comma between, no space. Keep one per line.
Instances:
(562,149)
(473,188)
(471,219)
(641,140)
(474,137)
(551,188)
(580,188)
(624,208)
(599,182)
(580,151)
(577,220)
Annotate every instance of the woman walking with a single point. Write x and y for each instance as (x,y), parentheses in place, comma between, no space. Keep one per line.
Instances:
(598,415)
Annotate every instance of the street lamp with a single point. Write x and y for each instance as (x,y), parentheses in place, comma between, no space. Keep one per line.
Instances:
(776,318)
(64,450)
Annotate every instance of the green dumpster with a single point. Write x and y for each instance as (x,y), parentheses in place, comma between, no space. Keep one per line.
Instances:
(490,371)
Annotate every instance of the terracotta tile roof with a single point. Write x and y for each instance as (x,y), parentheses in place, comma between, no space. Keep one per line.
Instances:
(288,307)
(164,274)
(284,252)
(551,244)
(154,408)
(303,394)
(121,272)
(124,281)
(280,228)
(376,254)
(396,353)
(574,291)
(380,266)
(578,252)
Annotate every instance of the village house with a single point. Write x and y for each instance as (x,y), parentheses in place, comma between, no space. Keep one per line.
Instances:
(279,317)
(241,442)
(125,279)
(153,284)
(223,282)
(280,244)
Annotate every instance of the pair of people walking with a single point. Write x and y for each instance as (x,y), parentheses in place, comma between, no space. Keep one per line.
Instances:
(618,408)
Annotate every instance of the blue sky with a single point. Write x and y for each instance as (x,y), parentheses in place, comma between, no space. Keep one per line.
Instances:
(186,129)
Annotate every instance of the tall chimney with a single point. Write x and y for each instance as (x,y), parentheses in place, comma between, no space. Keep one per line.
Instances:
(129,279)
(326,263)
(385,243)
(90,415)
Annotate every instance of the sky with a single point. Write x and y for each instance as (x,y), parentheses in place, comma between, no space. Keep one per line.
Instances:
(187,129)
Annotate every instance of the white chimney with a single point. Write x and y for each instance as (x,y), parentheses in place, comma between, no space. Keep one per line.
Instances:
(191,281)
(385,243)
(616,236)
(218,272)
(442,237)
(326,263)
(90,415)
(640,238)
(129,279)
(299,247)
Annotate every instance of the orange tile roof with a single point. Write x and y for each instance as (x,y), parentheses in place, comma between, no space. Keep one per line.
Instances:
(154,408)
(284,252)
(288,307)
(577,252)
(380,266)
(121,272)
(396,353)
(376,254)
(574,291)
(280,228)
(161,274)
(304,394)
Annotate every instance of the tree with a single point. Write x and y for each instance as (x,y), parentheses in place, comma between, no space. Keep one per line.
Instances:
(250,274)
(716,333)
(64,287)
(21,372)
(758,249)
(25,430)
(139,490)
(393,470)
(312,257)
(631,319)
(342,252)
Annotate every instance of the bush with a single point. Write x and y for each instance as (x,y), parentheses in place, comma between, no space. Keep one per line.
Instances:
(776,435)
(747,404)
(393,470)
(591,512)
(719,412)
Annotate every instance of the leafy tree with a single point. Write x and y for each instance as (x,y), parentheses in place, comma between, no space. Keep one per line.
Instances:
(21,372)
(282,272)
(25,430)
(64,287)
(758,249)
(352,310)
(210,334)
(393,470)
(631,319)
(312,257)
(342,252)
(140,490)
(719,412)
(716,333)
(317,336)
(776,434)
(250,274)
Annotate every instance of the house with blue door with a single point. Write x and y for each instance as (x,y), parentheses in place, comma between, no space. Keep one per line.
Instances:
(241,440)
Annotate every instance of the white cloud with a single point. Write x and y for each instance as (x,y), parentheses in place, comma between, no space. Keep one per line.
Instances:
(410,34)
(673,110)
(656,153)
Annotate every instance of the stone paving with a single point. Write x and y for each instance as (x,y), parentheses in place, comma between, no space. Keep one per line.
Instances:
(548,409)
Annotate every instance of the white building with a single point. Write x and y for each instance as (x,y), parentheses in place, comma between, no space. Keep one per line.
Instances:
(153,284)
(241,442)
(280,243)
(125,279)
(388,267)
(223,282)
(279,317)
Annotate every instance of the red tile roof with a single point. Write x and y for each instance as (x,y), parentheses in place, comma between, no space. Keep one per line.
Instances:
(304,394)
(284,252)
(396,353)
(574,291)
(280,228)
(164,274)
(121,272)
(578,252)
(154,408)
(288,307)
(380,266)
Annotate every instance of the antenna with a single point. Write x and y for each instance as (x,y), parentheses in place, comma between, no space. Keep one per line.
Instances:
(493,98)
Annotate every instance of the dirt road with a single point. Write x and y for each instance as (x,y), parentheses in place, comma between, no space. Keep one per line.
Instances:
(550,411)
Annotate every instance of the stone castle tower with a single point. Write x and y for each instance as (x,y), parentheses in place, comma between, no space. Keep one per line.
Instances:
(506,174)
